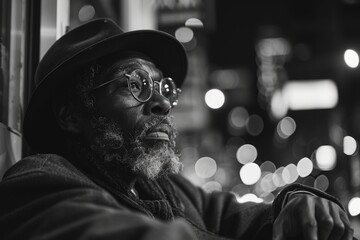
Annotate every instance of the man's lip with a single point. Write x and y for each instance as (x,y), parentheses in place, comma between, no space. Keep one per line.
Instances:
(160,132)
(157,136)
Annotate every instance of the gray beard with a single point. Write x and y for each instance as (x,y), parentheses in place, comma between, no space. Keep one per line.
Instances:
(143,158)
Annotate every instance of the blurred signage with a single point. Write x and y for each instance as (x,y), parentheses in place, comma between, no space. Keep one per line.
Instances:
(172,12)
(178,4)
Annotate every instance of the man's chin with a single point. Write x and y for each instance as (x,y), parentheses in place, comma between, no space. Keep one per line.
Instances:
(156,161)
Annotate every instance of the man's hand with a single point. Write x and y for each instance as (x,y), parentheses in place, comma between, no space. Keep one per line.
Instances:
(312,218)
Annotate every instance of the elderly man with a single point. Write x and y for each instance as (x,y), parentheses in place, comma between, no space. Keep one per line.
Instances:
(106,167)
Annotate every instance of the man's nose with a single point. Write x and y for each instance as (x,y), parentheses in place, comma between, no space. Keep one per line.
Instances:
(158,105)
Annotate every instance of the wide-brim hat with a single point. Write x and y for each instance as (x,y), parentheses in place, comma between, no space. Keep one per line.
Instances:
(79,47)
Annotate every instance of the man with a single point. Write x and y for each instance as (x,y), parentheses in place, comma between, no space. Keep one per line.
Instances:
(107,168)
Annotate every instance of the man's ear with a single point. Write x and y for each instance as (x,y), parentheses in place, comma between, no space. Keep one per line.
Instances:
(67,119)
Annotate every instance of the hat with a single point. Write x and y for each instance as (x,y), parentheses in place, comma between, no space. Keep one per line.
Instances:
(80,46)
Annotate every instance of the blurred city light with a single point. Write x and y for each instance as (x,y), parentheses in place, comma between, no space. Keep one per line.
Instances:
(189,154)
(225,78)
(309,181)
(326,157)
(184,34)
(290,174)
(278,105)
(339,184)
(336,133)
(214,98)
(267,197)
(212,186)
(321,183)
(286,127)
(351,58)
(354,206)
(246,153)
(238,117)
(223,176)
(304,167)
(267,185)
(314,94)
(205,167)
(269,47)
(250,173)
(350,145)
(278,177)
(194,23)
(268,166)
(249,197)
(254,125)
(86,13)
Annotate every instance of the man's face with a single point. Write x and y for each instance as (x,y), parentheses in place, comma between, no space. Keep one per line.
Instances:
(137,136)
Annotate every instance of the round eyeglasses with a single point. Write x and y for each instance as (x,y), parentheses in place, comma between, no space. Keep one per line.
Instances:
(142,86)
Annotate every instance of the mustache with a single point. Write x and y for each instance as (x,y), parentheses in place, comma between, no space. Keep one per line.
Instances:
(141,132)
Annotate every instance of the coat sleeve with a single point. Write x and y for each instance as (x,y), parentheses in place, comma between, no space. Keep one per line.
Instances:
(221,214)
(38,205)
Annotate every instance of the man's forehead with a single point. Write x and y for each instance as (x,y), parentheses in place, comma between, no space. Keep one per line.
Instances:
(125,65)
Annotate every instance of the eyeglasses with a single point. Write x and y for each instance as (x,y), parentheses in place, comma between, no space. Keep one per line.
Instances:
(142,86)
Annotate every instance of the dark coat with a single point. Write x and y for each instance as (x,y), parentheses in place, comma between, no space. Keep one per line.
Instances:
(47,197)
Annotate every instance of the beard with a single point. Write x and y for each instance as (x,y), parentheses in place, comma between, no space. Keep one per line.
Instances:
(149,159)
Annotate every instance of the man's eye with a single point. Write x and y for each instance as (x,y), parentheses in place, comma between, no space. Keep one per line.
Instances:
(135,86)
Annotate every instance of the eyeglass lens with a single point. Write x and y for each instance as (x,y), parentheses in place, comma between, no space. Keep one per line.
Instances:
(142,87)
(168,89)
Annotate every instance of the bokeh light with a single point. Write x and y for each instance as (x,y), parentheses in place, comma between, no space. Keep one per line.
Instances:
(212,186)
(250,173)
(214,98)
(189,154)
(249,197)
(246,153)
(278,178)
(351,58)
(184,34)
(254,125)
(286,127)
(86,13)
(205,167)
(267,184)
(326,157)
(223,176)
(278,105)
(268,47)
(194,23)
(290,174)
(267,197)
(238,117)
(354,206)
(268,166)
(315,94)
(349,145)
(321,183)
(304,167)
(339,184)
(309,181)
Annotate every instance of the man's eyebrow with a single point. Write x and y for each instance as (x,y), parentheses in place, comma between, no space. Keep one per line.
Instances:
(119,70)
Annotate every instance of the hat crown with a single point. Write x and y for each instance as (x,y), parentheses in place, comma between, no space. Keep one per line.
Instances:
(73,42)
(76,50)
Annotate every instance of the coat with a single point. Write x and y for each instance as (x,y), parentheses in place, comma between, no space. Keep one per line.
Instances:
(45,196)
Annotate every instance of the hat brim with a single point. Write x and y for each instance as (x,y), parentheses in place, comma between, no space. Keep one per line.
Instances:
(40,128)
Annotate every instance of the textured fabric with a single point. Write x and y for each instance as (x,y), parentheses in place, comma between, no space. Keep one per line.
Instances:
(47,197)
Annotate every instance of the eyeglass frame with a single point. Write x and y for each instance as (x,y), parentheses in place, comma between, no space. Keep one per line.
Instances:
(152,83)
